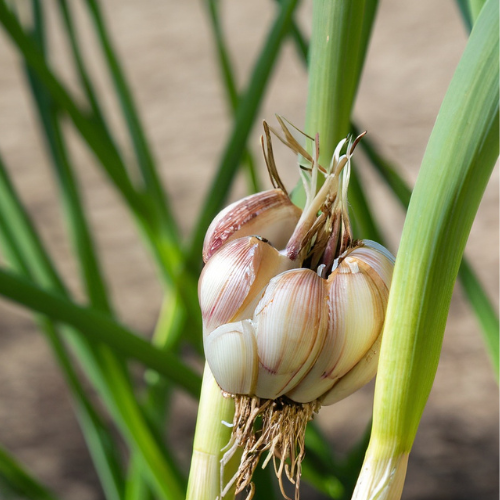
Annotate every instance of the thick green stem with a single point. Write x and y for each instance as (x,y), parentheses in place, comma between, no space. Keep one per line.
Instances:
(210,437)
(456,167)
(339,39)
(340,36)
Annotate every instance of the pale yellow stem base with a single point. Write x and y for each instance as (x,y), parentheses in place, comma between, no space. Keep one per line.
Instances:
(381,478)
(210,437)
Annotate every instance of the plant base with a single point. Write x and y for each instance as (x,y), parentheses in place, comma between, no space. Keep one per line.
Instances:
(281,435)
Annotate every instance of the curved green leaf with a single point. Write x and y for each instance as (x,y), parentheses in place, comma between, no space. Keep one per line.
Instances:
(456,167)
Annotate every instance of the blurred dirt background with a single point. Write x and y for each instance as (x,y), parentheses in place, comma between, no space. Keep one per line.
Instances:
(167,50)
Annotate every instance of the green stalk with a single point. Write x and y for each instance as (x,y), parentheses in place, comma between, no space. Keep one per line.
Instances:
(340,35)
(209,439)
(136,131)
(99,328)
(230,85)
(244,119)
(339,41)
(20,480)
(359,204)
(456,167)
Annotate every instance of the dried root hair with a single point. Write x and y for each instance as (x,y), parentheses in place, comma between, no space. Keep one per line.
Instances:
(281,435)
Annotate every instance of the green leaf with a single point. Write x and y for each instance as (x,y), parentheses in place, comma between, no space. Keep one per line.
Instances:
(136,131)
(86,125)
(108,370)
(99,328)
(69,191)
(247,110)
(230,84)
(20,480)
(455,169)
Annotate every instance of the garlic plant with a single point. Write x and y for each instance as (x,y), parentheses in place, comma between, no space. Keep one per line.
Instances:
(292,308)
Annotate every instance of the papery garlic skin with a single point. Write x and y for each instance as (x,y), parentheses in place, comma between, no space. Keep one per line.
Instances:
(233,280)
(269,214)
(290,325)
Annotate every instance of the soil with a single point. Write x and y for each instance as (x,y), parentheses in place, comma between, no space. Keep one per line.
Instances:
(168,54)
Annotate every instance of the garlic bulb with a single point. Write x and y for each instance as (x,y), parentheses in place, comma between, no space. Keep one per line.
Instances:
(290,327)
(306,332)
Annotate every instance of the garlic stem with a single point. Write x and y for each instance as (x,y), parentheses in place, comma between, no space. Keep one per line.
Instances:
(383,474)
(209,439)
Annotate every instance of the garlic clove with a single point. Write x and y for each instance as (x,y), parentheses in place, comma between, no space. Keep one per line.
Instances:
(377,257)
(364,370)
(290,323)
(357,299)
(231,352)
(233,280)
(269,214)
(357,302)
